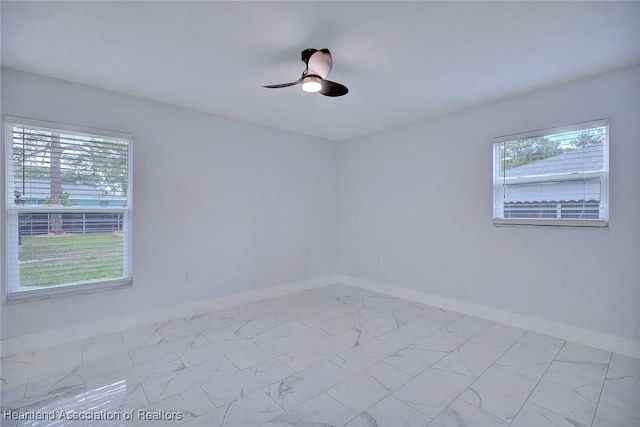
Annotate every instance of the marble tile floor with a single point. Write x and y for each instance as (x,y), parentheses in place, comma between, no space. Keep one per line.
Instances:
(332,356)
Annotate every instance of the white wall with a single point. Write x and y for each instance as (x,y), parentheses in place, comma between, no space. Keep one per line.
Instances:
(238,207)
(416,212)
(241,207)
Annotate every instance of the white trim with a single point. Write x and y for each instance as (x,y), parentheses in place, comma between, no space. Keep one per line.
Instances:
(39,340)
(46,125)
(576,127)
(589,223)
(620,345)
(66,290)
(68,209)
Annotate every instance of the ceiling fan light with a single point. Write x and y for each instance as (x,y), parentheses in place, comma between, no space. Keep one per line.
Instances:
(312,84)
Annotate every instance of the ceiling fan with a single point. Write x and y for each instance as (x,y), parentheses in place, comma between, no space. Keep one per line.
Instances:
(318,65)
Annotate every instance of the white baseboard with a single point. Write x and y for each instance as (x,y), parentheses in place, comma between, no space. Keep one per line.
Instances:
(33,342)
(620,345)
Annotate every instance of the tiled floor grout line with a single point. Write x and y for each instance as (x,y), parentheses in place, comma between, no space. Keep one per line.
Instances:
(447,353)
(538,382)
(434,363)
(146,396)
(348,379)
(341,404)
(478,377)
(332,362)
(604,381)
(130,358)
(209,397)
(226,356)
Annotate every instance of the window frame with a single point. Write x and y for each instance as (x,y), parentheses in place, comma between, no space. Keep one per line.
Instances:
(499,181)
(12,214)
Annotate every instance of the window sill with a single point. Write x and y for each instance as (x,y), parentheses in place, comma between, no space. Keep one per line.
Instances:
(60,291)
(595,223)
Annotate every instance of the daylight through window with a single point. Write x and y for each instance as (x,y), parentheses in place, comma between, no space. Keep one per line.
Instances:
(553,177)
(68,209)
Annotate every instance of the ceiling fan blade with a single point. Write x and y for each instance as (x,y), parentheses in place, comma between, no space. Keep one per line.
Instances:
(318,65)
(306,54)
(284,84)
(330,88)
(319,62)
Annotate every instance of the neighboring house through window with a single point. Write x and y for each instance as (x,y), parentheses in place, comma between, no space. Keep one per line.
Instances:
(68,209)
(553,177)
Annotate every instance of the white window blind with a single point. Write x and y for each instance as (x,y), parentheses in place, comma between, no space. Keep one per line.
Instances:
(68,209)
(555,176)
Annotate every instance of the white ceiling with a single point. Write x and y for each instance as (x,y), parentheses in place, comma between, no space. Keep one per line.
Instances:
(402,61)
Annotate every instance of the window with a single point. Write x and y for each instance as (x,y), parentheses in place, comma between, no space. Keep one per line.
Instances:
(555,176)
(68,208)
